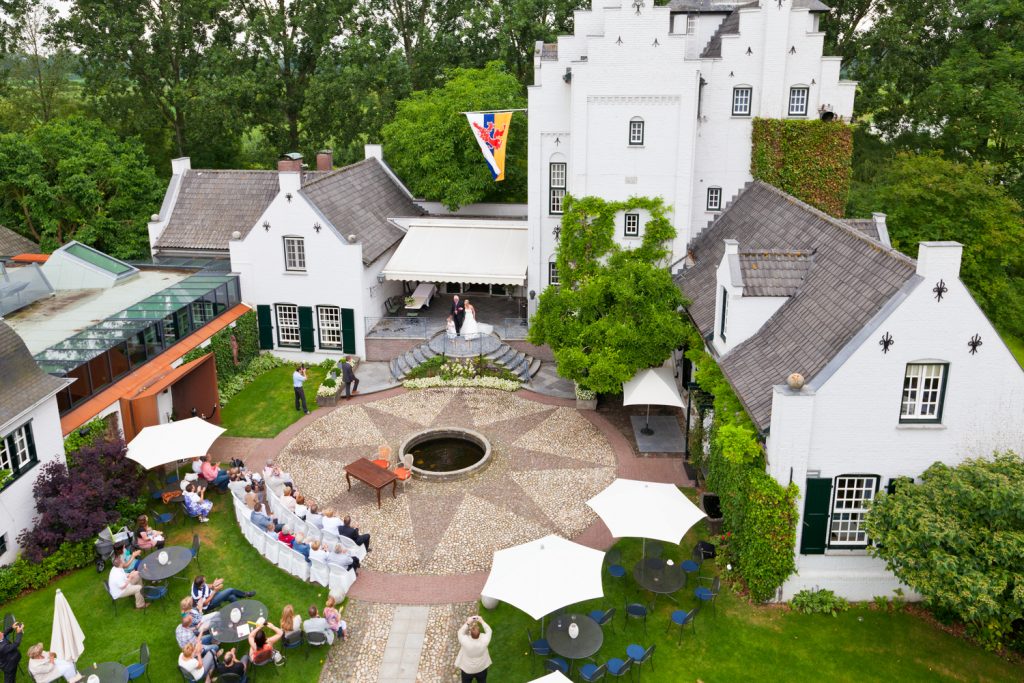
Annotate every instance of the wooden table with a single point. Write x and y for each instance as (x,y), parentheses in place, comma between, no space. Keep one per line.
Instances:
(372,475)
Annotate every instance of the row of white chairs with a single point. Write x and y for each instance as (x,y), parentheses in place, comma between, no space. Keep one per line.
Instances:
(335,578)
(298,525)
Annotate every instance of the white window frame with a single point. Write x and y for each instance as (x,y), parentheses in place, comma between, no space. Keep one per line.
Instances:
(631,225)
(23,456)
(287,324)
(553,278)
(851,496)
(557,172)
(636,132)
(714,202)
(799,97)
(924,392)
(328,320)
(691,23)
(294,253)
(742,99)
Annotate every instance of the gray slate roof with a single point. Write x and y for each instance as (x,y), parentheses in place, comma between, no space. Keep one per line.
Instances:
(731,24)
(359,199)
(22,382)
(12,244)
(865,226)
(850,278)
(773,272)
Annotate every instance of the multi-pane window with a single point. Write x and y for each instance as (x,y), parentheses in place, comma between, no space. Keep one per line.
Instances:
(636,131)
(853,494)
(18,451)
(741,101)
(691,23)
(632,225)
(714,199)
(287,324)
(329,319)
(923,388)
(3,544)
(294,253)
(798,101)
(553,274)
(556,185)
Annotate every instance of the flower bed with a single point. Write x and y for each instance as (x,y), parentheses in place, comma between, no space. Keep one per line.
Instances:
(477,382)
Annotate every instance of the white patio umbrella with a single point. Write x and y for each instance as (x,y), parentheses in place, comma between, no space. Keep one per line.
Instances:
(543,575)
(653,386)
(66,639)
(161,444)
(646,509)
(553,677)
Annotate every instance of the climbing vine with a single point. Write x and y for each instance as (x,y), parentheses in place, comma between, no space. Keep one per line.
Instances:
(246,333)
(810,160)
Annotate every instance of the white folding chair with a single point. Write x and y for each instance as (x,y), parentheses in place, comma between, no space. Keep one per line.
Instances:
(353,547)
(297,565)
(341,580)
(272,550)
(320,573)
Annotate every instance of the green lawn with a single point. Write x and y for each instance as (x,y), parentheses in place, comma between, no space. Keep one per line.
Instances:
(1016,345)
(225,553)
(267,406)
(745,643)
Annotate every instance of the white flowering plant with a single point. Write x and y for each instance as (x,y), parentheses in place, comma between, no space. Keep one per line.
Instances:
(585,394)
(465,382)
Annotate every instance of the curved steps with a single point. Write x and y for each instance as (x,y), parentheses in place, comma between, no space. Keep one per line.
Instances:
(519,363)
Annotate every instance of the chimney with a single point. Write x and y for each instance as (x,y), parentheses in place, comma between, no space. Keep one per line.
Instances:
(179,166)
(325,160)
(731,247)
(373,152)
(289,172)
(939,260)
(290,163)
(883,232)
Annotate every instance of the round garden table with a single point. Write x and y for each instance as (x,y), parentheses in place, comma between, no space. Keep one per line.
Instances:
(587,642)
(107,672)
(658,576)
(178,558)
(224,626)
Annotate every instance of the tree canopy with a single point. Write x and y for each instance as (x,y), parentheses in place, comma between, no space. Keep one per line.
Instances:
(957,538)
(617,310)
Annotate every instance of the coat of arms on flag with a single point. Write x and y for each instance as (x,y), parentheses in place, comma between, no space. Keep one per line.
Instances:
(491,132)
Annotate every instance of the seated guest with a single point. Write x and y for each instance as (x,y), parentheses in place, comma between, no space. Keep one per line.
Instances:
(128,556)
(211,472)
(288,500)
(251,498)
(286,536)
(313,517)
(196,505)
(341,556)
(351,531)
(146,537)
(300,507)
(275,478)
(44,666)
(260,519)
(317,551)
(317,624)
(333,617)
(194,626)
(195,662)
(271,531)
(290,621)
(209,597)
(300,546)
(122,583)
(331,522)
(231,664)
(261,648)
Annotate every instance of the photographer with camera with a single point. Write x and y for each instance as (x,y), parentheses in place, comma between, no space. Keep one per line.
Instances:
(473,659)
(10,655)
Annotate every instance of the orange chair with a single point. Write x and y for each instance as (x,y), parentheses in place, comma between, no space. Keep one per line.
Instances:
(404,472)
(383,457)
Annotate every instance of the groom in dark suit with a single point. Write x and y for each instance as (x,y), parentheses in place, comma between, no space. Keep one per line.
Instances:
(458,314)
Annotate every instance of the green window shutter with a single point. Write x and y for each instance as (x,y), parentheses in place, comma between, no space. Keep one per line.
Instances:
(306,329)
(348,330)
(816,507)
(266,329)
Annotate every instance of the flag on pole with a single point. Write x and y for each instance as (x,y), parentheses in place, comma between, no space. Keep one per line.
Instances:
(491,132)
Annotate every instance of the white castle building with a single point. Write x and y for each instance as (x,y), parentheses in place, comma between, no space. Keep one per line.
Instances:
(659,101)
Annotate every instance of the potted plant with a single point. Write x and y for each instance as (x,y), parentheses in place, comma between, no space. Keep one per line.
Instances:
(712,507)
(585,399)
(327,393)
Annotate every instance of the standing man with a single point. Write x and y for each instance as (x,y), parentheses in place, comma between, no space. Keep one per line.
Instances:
(458,314)
(10,655)
(298,379)
(348,376)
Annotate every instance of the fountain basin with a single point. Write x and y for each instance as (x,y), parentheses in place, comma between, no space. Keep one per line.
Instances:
(447,453)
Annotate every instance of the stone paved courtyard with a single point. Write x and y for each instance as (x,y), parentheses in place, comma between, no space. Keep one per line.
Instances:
(547,461)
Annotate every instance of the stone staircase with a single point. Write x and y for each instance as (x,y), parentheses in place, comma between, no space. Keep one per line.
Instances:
(519,363)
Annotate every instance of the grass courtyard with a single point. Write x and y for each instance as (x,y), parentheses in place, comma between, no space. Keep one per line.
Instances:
(267,406)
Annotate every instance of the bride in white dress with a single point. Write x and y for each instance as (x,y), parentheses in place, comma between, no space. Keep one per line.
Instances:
(471,329)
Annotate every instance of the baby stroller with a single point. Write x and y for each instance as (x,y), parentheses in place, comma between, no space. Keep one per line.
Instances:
(105,545)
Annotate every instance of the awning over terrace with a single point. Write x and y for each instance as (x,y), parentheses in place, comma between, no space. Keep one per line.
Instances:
(490,252)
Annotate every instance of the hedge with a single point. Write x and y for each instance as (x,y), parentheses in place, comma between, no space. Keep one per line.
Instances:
(23,575)
(246,332)
(811,160)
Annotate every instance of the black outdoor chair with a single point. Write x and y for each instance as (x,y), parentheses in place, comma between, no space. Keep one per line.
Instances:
(141,667)
(681,618)
(538,646)
(592,672)
(693,564)
(709,594)
(315,639)
(613,558)
(635,610)
(604,617)
(195,550)
(106,590)
(618,667)
(640,656)
(653,549)
(556,664)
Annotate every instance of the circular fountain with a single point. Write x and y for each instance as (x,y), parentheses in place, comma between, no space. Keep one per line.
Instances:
(447,453)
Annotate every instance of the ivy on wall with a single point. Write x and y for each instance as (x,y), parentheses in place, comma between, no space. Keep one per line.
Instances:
(759,513)
(246,333)
(810,160)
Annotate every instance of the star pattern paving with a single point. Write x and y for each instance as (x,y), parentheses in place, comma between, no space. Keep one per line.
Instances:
(546,463)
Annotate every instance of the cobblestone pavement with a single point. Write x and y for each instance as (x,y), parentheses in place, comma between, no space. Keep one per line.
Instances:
(547,461)
(358,659)
(441,644)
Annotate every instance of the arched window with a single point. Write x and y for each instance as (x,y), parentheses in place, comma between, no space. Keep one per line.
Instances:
(636,131)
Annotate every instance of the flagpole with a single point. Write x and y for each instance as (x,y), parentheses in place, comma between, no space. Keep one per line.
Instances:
(492,111)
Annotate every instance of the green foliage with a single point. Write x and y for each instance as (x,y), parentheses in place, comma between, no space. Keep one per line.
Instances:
(738,444)
(73,179)
(957,538)
(616,311)
(446,368)
(819,601)
(246,333)
(808,159)
(95,430)
(330,382)
(929,197)
(430,144)
(22,575)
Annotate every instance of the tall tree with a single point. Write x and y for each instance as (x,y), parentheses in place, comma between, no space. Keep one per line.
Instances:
(842,26)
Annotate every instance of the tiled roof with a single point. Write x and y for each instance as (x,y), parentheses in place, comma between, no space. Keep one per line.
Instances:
(12,244)
(865,226)
(850,278)
(773,272)
(549,52)
(358,200)
(23,382)
(729,26)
